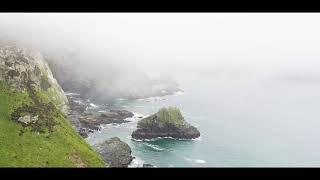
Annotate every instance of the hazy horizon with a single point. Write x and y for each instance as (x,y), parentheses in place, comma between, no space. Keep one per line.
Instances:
(166,42)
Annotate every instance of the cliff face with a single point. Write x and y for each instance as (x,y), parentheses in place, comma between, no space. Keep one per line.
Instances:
(20,67)
(34,131)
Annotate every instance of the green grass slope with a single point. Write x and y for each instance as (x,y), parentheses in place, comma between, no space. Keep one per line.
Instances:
(51,142)
(166,115)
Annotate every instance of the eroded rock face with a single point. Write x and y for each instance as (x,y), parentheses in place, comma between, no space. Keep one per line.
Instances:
(20,67)
(115,152)
(168,122)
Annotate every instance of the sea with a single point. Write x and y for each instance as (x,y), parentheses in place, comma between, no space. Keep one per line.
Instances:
(245,120)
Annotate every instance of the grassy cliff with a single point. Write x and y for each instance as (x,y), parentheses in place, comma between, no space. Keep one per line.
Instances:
(50,142)
(34,131)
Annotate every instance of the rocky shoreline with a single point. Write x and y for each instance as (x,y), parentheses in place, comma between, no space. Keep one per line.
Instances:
(86,121)
(87,118)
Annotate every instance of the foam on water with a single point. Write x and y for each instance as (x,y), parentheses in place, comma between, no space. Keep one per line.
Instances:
(136,162)
(72,94)
(93,105)
(155,147)
(198,161)
(135,117)
(78,101)
(158,138)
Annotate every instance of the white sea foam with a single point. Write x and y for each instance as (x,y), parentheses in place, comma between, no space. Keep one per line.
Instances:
(198,161)
(138,140)
(135,117)
(158,138)
(93,105)
(198,139)
(155,147)
(78,102)
(136,162)
(72,94)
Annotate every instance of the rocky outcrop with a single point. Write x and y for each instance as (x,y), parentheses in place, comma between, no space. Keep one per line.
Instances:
(168,122)
(86,121)
(21,68)
(115,152)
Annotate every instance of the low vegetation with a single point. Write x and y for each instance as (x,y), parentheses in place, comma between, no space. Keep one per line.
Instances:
(166,115)
(48,142)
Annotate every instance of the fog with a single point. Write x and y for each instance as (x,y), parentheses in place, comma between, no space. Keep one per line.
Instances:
(255,76)
(264,42)
(178,44)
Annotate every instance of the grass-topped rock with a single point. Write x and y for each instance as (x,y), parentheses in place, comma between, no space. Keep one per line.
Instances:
(168,122)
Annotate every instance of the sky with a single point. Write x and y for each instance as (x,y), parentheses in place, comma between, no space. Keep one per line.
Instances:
(260,42)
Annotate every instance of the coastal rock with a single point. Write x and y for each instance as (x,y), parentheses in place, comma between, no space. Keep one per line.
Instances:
(168,122)
(86,121)
(115,116)
(21,67)
(115,152)
(84,132)
(34,130)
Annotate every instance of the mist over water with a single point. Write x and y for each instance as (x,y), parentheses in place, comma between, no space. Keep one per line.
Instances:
(251,81)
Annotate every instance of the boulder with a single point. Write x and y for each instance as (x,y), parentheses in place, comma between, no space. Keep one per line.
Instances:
(115,152)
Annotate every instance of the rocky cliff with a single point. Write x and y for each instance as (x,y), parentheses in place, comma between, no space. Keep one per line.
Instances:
(34,131)
(22,67)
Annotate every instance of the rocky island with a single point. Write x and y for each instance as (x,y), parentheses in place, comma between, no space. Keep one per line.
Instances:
(168,122)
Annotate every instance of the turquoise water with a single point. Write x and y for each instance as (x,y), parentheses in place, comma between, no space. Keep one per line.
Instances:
(244,121)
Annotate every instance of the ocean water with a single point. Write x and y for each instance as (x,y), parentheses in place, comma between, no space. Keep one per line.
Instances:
(245,121)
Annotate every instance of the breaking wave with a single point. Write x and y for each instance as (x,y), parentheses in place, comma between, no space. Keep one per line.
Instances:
(154,147)
(158,138)
(198,161)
